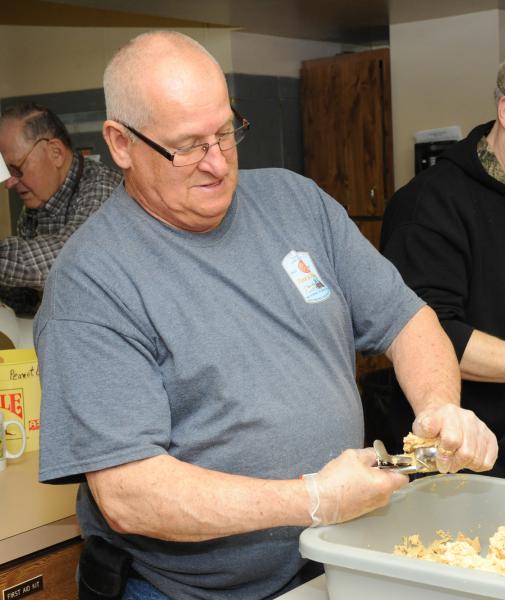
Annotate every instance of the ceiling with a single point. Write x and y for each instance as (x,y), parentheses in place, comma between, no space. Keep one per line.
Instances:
(352,21)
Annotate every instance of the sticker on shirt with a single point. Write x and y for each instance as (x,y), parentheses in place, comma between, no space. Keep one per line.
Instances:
(302,272)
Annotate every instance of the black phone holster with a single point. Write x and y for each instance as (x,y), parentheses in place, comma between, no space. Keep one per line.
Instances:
(103,570)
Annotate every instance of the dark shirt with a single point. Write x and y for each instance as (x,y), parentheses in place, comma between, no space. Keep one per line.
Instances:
(445,232)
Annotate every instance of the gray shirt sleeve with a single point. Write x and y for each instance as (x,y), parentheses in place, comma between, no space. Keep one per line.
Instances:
(379,301)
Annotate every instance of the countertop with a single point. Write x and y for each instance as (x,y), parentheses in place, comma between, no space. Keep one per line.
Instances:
(34,516)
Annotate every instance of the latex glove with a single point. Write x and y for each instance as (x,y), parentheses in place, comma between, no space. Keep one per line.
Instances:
(349,486)
(466,442)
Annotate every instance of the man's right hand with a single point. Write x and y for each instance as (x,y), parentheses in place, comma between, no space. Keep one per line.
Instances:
(350,486)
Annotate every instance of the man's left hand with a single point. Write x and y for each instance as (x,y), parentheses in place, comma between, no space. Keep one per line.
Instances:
(465,441)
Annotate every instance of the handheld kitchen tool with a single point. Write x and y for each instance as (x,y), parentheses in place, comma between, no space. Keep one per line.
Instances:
(424,460)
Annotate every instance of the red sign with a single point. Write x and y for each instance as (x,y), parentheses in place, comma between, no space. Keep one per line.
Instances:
(12,400)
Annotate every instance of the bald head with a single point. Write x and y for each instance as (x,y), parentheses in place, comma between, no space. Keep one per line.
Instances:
(154,67)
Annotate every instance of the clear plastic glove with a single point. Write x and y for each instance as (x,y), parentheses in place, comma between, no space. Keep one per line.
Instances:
(349,486)
(465,441)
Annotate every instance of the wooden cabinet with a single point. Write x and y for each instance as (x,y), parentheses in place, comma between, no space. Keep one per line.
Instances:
(57,565)
(370,228)
(347,139)
(347,130)
(39,534)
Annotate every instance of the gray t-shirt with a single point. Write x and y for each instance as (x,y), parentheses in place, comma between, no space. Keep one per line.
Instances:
(233,350)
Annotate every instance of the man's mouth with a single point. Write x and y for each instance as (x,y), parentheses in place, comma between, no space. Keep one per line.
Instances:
(210,184)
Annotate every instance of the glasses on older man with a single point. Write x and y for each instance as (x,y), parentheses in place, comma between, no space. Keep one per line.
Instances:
(190,155)
(17,170)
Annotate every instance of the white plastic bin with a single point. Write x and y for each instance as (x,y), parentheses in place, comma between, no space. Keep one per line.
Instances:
(358,558)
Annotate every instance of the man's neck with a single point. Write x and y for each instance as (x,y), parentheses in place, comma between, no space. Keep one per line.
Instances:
(65,167)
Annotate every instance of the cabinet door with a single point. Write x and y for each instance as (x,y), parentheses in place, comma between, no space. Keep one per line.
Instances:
(370,228)
(346,107)
(57,566)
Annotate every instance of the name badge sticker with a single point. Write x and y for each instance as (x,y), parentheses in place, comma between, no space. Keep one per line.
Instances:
(303,273)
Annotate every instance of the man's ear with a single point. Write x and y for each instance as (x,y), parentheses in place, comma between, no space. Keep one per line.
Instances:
(58,152)
(501,111)
(119,143)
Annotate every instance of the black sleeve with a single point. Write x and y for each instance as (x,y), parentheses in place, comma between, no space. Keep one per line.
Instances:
(425,236)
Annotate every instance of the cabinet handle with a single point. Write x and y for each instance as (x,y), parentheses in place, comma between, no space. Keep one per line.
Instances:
(372,197)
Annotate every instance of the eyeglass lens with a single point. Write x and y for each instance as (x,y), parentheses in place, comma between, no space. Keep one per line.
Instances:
(225,142)
(16,170)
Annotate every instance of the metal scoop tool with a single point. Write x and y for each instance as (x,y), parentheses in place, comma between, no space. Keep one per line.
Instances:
(423,461)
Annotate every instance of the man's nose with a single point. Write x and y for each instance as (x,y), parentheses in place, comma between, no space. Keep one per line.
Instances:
(11,182)
(215,160)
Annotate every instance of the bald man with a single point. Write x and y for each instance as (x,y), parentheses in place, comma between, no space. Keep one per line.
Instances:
(197,341)
(59,191)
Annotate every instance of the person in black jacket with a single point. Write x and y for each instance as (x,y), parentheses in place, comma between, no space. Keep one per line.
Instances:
(445,232)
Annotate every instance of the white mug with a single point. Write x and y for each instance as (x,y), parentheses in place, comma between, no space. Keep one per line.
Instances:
(4,453)
(4,171)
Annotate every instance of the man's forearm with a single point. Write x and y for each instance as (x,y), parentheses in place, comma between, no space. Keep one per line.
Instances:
(425,363)
(483,358)
(428,372)
(165,498)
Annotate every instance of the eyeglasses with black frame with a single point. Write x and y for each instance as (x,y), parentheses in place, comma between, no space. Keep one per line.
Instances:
(191,155)
(17,170)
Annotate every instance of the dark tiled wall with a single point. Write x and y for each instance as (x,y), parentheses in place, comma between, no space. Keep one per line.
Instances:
(272,105)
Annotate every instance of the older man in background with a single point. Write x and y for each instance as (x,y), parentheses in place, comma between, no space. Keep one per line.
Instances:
(59,191)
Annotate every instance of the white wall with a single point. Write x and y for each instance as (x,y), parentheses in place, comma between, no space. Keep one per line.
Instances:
(36,60)
(501,25)
(443,73)
(268,55)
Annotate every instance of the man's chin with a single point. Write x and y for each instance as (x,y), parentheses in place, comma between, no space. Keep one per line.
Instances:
(33,203)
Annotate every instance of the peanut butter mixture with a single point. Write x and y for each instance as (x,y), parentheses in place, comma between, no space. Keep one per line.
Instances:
(411,442)
(460,552)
